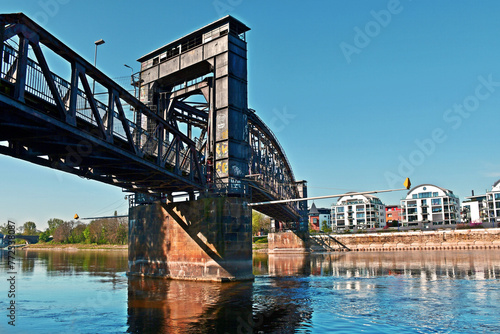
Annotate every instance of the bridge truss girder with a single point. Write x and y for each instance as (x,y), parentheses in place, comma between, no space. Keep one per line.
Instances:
(45,119)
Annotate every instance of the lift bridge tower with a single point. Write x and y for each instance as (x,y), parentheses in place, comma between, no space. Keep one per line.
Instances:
(199,83)
(205,73)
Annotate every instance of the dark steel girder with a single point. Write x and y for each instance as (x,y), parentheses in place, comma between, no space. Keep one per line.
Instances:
(74,136)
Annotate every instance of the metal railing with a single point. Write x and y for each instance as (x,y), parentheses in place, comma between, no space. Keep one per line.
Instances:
(39,84)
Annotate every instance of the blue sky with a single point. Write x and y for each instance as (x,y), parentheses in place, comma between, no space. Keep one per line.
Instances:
(360,93)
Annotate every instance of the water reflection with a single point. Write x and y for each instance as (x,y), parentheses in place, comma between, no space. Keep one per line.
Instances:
(162,306)
(75,262)
(429,265)
(439,291)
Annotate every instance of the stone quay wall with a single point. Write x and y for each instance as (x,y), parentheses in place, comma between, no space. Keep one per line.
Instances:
(290,242)
(407,241)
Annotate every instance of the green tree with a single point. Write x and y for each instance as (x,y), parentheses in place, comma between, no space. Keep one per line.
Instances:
(29,228)
(45,236)
(4,229)
(77,233)
(122,233)
(53,224)
(86,234)
(260,222)
(324,227)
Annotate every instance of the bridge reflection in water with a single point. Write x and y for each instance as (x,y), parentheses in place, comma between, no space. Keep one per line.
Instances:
(284,296)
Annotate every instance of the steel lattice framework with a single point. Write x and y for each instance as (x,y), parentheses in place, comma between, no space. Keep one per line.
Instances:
(114,138)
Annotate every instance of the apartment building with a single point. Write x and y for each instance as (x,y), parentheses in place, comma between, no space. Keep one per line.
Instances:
(484,208)
(430,207)
(493,204)
(357,212)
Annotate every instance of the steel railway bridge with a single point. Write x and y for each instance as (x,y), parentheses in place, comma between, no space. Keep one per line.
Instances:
(150,147)
(188,131)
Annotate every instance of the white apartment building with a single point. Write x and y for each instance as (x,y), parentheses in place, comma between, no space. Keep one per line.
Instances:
(430,207)
(493,204)
(484,208)
(472,210)
(360,212)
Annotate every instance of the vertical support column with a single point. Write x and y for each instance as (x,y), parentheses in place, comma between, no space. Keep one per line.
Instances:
(231,126)
(2,39)
(303,223)
(22,65)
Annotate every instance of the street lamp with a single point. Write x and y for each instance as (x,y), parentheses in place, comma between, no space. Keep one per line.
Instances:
(99,42)
(132,82)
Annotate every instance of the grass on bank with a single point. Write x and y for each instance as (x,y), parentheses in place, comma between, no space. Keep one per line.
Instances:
(54,245)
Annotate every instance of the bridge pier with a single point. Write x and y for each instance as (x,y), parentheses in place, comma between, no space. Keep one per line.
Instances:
(289,242)
(209,239)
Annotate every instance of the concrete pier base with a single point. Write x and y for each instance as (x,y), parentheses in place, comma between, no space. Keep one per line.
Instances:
(209,239)
(289,242)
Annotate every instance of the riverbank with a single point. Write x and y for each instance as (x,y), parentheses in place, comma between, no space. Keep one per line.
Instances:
(411,241)
(72,247)
(397,241)
(290,242)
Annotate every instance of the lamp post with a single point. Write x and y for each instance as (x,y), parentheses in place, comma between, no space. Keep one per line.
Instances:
(99,42)
(131,78)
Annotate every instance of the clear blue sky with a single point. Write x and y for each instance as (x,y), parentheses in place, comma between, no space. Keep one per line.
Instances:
(360,93)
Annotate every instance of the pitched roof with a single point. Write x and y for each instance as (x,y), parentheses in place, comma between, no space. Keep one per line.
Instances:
(313,210)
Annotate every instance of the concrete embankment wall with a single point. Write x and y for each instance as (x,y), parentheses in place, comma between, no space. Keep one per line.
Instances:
(291,242)
(421,240)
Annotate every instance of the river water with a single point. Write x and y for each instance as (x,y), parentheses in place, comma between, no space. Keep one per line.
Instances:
(411,292)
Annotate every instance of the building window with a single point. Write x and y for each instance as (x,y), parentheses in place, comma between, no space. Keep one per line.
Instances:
(435,195)
(360,215)
(414,196)
(340,209)
(438,209)
(497,196)
(436,201)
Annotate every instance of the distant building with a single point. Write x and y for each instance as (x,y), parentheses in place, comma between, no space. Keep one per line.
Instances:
(430,207)
(392,212)
(483,208)
(493,204)
(319,218)
(474,210)
(357,212)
